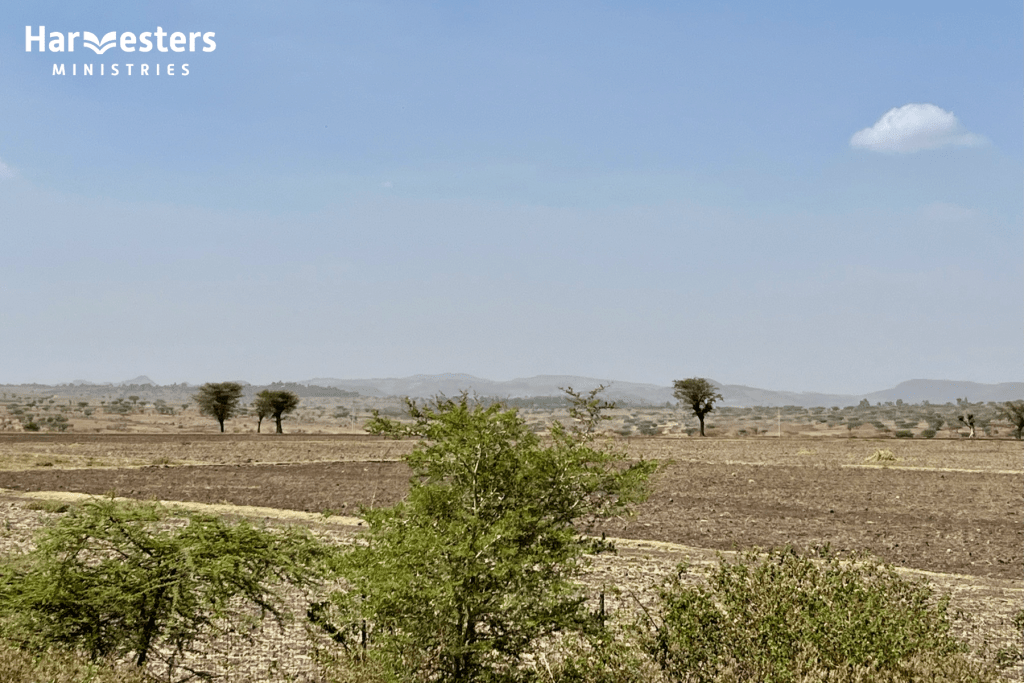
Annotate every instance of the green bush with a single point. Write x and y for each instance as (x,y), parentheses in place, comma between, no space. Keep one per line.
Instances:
(478,566)
(1010,656)
(609,658)
(928,433)
(112,579)
(903,434)
(787,618)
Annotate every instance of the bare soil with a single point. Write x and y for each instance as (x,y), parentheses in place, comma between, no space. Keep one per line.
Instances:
(948,507)
(946,510)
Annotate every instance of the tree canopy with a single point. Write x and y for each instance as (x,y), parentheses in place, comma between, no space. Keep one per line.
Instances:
(119,579)
(276,404)
(219,400)
(479,562)
(699,395)
(261,408)
(1013,412)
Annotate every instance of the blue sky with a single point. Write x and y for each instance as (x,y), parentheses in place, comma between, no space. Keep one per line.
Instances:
(787,195)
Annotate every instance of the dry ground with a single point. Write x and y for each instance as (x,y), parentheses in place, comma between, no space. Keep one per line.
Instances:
(948,510)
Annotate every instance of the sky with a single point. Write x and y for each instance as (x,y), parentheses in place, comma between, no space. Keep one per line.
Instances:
(797,196)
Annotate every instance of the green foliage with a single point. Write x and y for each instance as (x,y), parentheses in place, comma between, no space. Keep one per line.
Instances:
(274,404)
(928,433)
(479,564)
(59,666)
(51,506)
(1009,656)
(903,434)
(609,657)
(112,579)
(261,408)
(219,400)
(787,618)
(56,423)
(30,425)
(1013,412)
(699,394)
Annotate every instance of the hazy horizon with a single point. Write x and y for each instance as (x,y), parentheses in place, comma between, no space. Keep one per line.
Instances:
(796,196)
(311,381)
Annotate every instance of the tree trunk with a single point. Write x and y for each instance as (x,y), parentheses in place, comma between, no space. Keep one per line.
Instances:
(701,418)
(279,430)
(149,629)
(221,425)
(258,423)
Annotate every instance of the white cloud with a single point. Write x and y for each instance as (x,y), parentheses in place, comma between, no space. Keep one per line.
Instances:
(915,127)
(6,172)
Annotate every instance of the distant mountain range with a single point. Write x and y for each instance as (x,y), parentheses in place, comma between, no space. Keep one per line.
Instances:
(623,393)
(425,386)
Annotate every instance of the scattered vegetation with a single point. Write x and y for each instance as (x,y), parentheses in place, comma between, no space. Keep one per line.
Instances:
(479,565)
(1013,412)
(114,579)
(56,665)
(51,506)
(791,618)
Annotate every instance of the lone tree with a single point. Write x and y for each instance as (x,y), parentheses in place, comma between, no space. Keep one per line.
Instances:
(1013,412)
(480,563)
(699,394)
(219,400)
(277,404)
(968,421)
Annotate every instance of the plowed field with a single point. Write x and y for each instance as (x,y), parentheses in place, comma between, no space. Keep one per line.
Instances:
(943,506)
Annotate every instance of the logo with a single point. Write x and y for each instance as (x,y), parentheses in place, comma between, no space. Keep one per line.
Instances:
(100,46)
(176,42)
(127,42)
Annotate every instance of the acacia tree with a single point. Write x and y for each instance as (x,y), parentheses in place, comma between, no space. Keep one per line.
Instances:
(481,560)
(699,395)
(262,408)
(277,404)
(118,579)
(219,400)
(1013,412)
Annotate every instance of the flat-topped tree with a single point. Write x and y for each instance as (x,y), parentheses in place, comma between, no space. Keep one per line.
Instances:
(699,394)
(219,400)
(276,404)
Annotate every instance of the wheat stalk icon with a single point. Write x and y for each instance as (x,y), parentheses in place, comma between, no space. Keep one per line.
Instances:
(99,46)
